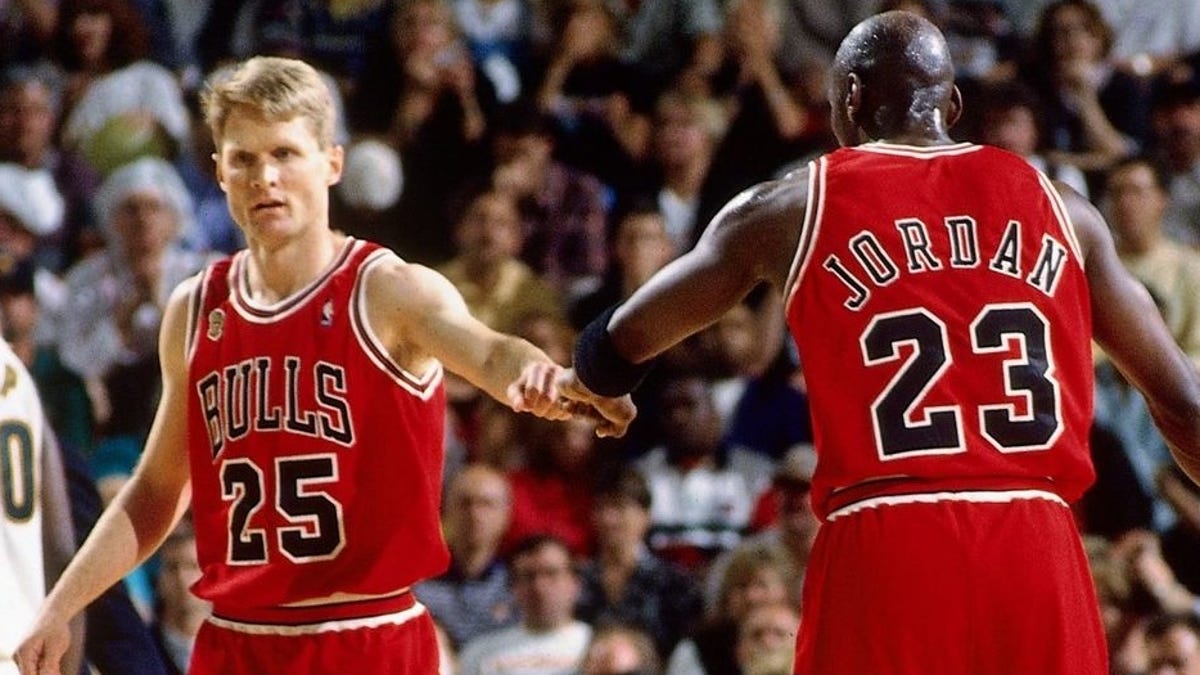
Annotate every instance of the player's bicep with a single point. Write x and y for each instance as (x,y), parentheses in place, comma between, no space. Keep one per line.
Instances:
(431,318)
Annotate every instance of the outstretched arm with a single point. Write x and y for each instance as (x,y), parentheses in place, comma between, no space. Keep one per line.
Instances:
(753,239)
(1129,327)
(140,517)
(420,316)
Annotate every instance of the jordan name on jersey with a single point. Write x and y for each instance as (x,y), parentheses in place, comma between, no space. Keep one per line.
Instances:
(258,395)
(964,253)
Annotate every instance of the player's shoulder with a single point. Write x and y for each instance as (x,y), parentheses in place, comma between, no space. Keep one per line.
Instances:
(397,284)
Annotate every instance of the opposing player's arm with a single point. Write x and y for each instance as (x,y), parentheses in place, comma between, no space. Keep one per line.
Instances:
(141,515)
(419,314)
(1128,326)
(752,239)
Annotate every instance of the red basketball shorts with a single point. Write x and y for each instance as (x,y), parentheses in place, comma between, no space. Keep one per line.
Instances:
(991,583)
(399,644)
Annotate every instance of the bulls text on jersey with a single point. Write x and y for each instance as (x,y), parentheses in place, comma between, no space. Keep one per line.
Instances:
(257,395)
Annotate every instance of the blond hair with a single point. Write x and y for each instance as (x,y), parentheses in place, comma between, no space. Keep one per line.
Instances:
(278,89)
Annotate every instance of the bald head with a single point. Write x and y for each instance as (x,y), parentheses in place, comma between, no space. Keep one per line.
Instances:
(893,79)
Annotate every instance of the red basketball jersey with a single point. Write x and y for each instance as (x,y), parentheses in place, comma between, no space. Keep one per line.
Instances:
(941,310)
(316,461)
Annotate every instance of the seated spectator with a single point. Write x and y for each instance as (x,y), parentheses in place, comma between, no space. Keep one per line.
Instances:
(499,34)
(497,287)
(1094,113)
(618,649)
(755,577)
(30,103)
(31,213)
(1173,645)
(626,583)
(600,104)
(673,42)
(562,209)
(421,92)
(687,130)
(703,493)
(792,528)
(179,614)
(109,326)
(1176,124)
(473,596)
(1011,118)
(1136,200)
(119,104)
(64,398)
(641,247)
(552,492)
(548,641)
(767,640)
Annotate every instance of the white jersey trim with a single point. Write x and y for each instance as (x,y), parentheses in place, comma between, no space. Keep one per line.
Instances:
(1064,221)
(918,151)
(422,386)
(810,228)
(196,303)
(395,619)
(254,312)
(977,496)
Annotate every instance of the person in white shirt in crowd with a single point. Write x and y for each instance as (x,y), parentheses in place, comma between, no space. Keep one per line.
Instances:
(548,641)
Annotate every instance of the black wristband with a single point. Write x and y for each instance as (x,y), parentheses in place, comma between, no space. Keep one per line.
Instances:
(599,366)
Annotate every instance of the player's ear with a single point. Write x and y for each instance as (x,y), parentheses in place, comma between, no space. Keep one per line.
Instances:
(853,99)
(337,160)
(956,107)
(220,173)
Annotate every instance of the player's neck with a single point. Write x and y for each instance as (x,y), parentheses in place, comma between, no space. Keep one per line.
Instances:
(278,271)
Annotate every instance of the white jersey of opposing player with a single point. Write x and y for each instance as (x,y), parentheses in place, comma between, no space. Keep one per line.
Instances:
(22,571)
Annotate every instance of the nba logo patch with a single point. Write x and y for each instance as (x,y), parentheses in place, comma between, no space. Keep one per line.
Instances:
(327,314)
(216,324)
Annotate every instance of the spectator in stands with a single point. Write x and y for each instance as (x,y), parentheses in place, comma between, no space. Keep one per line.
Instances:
(497,287)
(1173,645)
(552,492)
(31,213)
(1095,114)
(687,129)
(640,247)
(109,325)
(119,104)
(671,41)
(755,577)
(1010,117)
(625,582)
(179,614)
(767,639)
(30,102)
(421,91)
(599,103)
(1136,200)
(548,641)
(473,596)
(1176,123)
(793,525)
(619,649)
(702,492)
(562,208)
(499,34)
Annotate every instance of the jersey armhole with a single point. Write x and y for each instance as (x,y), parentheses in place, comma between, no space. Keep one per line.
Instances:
(422,386)
(196,298)
(1064,219)
(809,229)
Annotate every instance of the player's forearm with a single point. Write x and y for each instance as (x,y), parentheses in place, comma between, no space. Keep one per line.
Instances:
(504,364)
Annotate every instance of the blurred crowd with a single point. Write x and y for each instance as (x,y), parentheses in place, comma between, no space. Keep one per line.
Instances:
(548,156)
